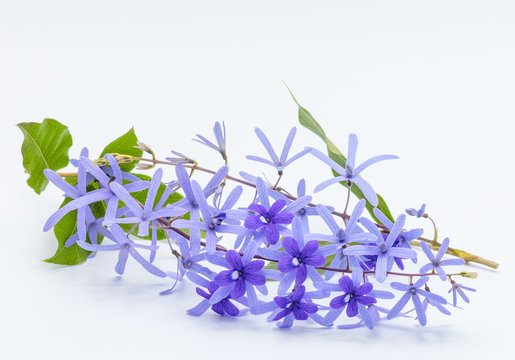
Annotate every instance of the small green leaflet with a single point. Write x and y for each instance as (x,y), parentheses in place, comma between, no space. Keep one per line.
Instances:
(125,144)
(307,120)
(45,146)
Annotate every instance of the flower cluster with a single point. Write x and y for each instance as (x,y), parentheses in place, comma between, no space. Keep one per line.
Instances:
(339,276)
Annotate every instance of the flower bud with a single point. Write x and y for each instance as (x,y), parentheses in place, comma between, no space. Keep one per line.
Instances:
(472,275)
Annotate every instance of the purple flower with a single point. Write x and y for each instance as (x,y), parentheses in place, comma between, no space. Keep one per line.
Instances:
(267,217)
(126,247)
(412,292)
(293,304)
(243,276)
(436,263)
(367,313)
(383,249)
(222,307)
(213,218)
(418,213)
(300,259)
(354,294)
(458,289)
(220,138)
(239,274)
(277,162)
(350,174)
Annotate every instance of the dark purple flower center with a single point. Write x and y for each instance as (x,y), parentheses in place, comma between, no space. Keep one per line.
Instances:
(217,220)
(413,291)
(383,247)
(340,234)
(349,171)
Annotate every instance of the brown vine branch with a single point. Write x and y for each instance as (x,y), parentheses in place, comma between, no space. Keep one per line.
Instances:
(434,244)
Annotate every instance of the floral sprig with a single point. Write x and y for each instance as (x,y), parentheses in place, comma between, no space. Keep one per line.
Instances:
(277,265)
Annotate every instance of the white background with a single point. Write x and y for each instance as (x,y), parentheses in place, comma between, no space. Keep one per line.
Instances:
(430,81)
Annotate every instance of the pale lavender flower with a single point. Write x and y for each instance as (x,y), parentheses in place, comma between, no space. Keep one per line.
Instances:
(105,182)
(341,238)
(125,247)
(458,289)
(214,219)
(436,305)
(436,262)
(383,249)
(418,213)
(404,238)
(188,263)
(85,217)
(189,203)
(180,158)
(281,162)
(412,292)
(104,193)
(220,138)
(106,169)
(253,179)
(94,228)
(143,216)
(350,173)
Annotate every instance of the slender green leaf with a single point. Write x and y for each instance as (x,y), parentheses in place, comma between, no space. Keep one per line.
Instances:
(125,145)
(45,146)
(308,121)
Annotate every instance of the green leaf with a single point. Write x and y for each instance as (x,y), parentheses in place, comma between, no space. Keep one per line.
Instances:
(308,121)
(45,146)
(272,265)
(124,145)
(66,227)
